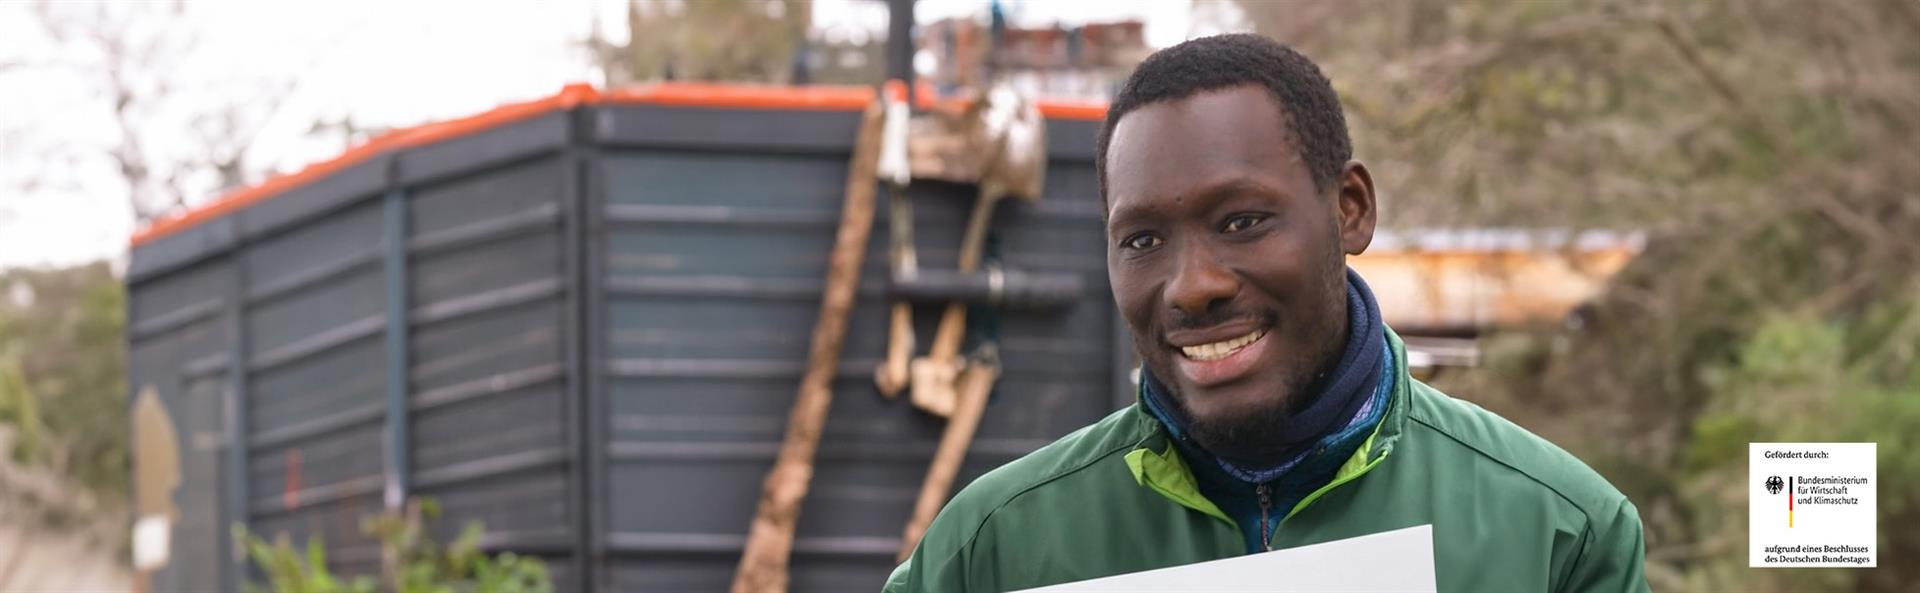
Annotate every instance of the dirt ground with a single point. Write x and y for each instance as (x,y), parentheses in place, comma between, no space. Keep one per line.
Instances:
(36,560)
(53,538)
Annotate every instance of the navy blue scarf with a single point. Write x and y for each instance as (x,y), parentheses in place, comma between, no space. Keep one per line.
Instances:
(1337,396)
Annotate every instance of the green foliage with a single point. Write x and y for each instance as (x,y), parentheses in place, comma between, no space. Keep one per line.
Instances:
(460,567)
(21,409)
(62,373)
(1801,378)
(414,562)
(290,571)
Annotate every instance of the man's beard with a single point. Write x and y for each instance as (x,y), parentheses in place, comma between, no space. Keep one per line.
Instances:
(1254,432)
(1250,433)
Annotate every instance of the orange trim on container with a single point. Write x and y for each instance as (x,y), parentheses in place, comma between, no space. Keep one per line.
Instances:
(1080,110)
(572,95)
(736,96)
(724,96)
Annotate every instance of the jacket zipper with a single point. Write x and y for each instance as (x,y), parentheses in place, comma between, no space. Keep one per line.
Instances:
(1266,505)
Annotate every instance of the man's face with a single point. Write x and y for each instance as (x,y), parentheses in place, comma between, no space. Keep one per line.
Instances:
(1226,262)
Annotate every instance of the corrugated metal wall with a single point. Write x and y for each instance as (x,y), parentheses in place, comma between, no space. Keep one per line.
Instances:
(490,393)
(178,335)
(315,381)
(606,316)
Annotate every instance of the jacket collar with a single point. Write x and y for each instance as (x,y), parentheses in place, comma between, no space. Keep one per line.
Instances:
(1155,465)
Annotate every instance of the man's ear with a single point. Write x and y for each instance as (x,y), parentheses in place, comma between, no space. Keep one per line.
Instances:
(1358,210)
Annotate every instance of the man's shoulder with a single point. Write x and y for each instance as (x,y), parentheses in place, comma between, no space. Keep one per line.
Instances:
(1467,429)
(1047,466)
(1117,433)
(1060,469)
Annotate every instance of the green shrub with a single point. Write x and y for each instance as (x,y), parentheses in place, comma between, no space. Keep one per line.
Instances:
(412,561)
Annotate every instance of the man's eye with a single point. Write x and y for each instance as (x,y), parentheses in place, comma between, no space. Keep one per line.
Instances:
(1141,241)
(1241,223)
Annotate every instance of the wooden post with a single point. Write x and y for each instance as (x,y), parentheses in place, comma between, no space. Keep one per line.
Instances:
(763,567)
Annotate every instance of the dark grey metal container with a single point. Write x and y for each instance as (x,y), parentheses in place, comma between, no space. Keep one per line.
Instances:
(582,325)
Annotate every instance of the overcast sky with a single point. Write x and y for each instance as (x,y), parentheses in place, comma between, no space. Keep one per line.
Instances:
(386,64)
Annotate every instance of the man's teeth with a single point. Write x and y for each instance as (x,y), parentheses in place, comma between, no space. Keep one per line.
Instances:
(1219,350)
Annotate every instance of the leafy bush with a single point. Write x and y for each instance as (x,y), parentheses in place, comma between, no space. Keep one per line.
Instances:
(63,373)
(290,571)
(412,561)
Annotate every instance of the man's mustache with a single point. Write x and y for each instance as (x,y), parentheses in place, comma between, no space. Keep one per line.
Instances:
(1178,322)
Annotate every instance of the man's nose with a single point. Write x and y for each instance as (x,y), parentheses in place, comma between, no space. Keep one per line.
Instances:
(1201,284)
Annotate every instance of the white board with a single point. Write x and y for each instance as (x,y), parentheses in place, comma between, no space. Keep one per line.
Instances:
(1398,560)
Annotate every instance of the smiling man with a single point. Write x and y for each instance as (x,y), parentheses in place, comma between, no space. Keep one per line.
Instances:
(1275,408)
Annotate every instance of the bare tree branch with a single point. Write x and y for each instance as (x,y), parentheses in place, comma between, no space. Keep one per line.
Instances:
(137,48)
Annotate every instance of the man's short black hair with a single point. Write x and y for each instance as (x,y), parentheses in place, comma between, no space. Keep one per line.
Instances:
(1308,104)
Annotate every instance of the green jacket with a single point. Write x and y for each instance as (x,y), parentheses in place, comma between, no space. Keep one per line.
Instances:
(1510,511)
